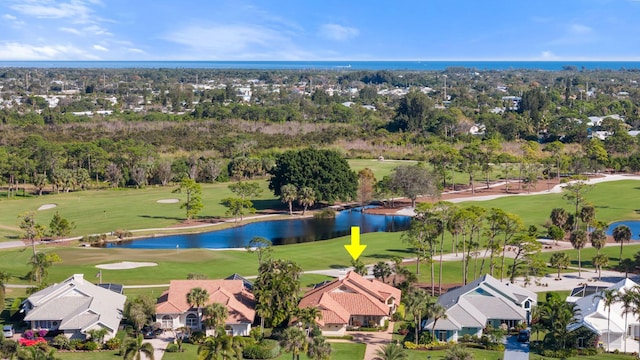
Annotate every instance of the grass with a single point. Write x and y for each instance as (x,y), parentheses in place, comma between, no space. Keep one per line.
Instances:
(94,355)
(340,351)
(478,354)
(533,356)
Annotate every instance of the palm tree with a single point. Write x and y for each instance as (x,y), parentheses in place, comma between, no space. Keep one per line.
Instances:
(598,239)
(133,349)
(306,198)
(197,297)
(294,340)
(416,302)
(288,194)
(381,270)
(627,300)
(458,352)
(319,348)
(599,261)
(626,265)
(587,215)
(610,297)
(559,217)
(40,262)
(391,351)
(559,261)
(578,240)
(215,315)
(36,353)
(621,234)
(445,212)
(308,316)
(436,312)
(221,346)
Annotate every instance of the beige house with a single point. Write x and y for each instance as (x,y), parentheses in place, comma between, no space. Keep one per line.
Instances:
(173,311)
(352,301)
(74,307)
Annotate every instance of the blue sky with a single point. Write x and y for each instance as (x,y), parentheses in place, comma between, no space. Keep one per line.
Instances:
(319,30)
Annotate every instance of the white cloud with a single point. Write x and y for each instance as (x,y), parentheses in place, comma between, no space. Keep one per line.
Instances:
(579,29)
(99,48)
(9,17)
(548,55)
(71,30)
(338,32)
(20,51)
(137,51)
(78,11)
(234,41)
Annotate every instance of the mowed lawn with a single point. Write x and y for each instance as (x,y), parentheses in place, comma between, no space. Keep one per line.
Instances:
(339,351)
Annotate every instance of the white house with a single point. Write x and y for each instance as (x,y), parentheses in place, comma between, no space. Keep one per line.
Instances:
(74,307)
(173,311)
(615,330)
(485,301)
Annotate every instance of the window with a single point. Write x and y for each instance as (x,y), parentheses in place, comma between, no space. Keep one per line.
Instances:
(527,304)
(441,335)
(167,322)
(582,343)
(192,321)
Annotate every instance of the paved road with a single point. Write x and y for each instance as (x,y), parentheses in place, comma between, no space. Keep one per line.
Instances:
(515,350)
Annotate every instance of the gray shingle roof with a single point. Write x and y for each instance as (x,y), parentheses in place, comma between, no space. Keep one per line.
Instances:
(77,304)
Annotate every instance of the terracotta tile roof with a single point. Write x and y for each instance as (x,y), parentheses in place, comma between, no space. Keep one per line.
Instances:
(353,295)
(231,293)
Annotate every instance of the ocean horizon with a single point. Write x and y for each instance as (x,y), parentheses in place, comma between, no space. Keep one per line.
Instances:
(330,65)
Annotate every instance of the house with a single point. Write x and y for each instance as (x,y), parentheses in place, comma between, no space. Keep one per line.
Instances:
(352,301)
(614,330)
(74,307)
(485,301)
(173,311)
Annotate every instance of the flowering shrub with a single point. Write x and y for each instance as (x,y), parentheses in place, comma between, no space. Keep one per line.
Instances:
(33,334)
(32,342)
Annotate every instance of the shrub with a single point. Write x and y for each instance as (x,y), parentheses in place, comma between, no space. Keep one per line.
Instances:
(171,348)
(29,334)
(256,334)
(61,342)
(113,343)
(32,342)
(327,213)
(265,349)
(91,346)
(76,344)
(197,337)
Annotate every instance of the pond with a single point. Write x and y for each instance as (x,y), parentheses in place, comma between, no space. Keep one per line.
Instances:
(280,232)
(634,225)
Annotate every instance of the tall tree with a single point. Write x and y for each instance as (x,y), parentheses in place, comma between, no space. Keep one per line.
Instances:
(559,217)
(30,228)
(381,270)
(40,263)
(598,239)
(470,159)
(221,347)
(391,351)
(289,194)
(306,198)
(134,349)
(193,190)
(318,348)
(197,298)
(621,234)
(261,246)
(600,261)
(416,302)
(325,171)
(4,277)
(237,207)
(444,211)
(294,341)
(366,184)
(588,216)
(413,181)
(560,261)
(59,226)
(277,288)
(435,312)
(578,240)
(575,194)
(215,315)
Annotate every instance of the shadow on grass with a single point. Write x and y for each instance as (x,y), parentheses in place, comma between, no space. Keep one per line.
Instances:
(338,266)
(404,251)
(161,217)
(270,204)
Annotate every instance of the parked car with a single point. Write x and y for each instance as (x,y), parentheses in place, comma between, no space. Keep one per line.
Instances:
(149,332)
(7,331)
(523,335)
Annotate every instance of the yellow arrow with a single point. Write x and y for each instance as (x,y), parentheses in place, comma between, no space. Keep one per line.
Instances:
(355,249)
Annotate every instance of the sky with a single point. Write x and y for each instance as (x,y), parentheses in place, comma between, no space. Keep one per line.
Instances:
(319,30)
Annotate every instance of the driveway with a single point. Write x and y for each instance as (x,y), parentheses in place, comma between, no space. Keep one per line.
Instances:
(160,344)
(373,340)
(515,350)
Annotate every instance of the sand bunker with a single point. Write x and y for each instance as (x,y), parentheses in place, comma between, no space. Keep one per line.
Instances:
(47,206)
(125,265)
(168,201)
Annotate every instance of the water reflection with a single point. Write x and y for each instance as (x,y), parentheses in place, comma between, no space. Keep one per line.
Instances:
(280,232)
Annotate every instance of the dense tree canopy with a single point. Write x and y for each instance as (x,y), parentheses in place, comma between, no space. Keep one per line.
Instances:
(325,171)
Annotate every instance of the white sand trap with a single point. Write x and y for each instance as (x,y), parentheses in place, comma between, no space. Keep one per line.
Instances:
(125,265)
(168,201)
(47,206)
